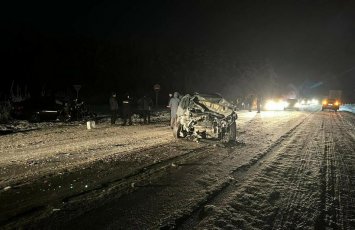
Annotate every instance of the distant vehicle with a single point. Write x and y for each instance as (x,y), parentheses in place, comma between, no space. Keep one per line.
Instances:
(76,111)
(332,104)
(36,109)
(292,104)
(305,101)
(206,116)
(314,101)
(335,94)
(274,104)
(49,109)
(333,100)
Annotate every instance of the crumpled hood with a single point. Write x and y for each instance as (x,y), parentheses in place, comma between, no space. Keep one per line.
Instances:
(217,105)
(206,103)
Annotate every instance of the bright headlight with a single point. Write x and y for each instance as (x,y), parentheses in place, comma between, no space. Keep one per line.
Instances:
(315,102)
(274,105)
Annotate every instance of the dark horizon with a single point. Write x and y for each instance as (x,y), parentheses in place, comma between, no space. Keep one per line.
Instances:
(211,46)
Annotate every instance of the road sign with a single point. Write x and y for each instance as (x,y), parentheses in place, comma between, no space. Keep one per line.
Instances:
(156,87)
(77,88)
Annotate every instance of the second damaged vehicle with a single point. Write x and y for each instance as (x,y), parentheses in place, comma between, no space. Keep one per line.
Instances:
(206,116)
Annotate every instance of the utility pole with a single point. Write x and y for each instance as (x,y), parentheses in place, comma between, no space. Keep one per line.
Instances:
(156,88)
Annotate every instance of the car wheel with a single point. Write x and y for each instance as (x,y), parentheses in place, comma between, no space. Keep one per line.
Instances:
(231,135)
(64,118)
(35,117)
(176,130)
(233,132)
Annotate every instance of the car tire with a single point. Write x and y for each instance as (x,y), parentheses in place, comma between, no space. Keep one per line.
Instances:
(35,117)
(64,118)
(231,136)
(176,130)
(233,132)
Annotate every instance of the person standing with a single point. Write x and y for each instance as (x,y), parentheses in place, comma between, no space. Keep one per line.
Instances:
(145,103)
(170,96)
(173,105)
(127,110)
(113,108)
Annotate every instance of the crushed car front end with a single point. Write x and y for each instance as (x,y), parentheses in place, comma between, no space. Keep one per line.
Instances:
(206,116)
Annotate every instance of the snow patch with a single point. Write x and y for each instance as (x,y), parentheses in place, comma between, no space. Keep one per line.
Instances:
(348,107)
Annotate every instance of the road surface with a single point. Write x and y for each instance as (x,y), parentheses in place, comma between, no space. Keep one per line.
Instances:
(289,170)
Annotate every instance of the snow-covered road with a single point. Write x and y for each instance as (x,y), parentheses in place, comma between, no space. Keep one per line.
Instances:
(306,182)
(291,169)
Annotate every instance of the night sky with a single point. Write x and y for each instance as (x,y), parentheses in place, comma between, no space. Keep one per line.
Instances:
(230,47)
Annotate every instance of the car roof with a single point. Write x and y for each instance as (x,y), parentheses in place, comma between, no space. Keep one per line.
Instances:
(209,95)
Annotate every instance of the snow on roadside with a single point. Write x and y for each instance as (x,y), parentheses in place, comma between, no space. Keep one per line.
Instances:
(348,107)
(15,126)
(39,148)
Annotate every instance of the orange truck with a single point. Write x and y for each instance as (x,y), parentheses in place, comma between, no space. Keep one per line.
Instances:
(333,101)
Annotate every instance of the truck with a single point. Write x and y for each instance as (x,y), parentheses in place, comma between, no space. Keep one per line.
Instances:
(333,101)
(335,94)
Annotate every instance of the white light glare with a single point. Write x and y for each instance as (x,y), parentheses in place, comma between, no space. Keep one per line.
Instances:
(315,102)
(275,105)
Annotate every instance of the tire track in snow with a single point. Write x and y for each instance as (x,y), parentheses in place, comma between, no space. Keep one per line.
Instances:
(284,192)
(252,163)
(298,197)
(139,177)
(168,219)
(346,165)
(347,124)
(241,174)
(97,145)
(338,175)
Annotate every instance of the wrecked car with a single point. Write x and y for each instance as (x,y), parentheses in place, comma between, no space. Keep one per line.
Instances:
(36,109)
(39,109)
(206,116)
